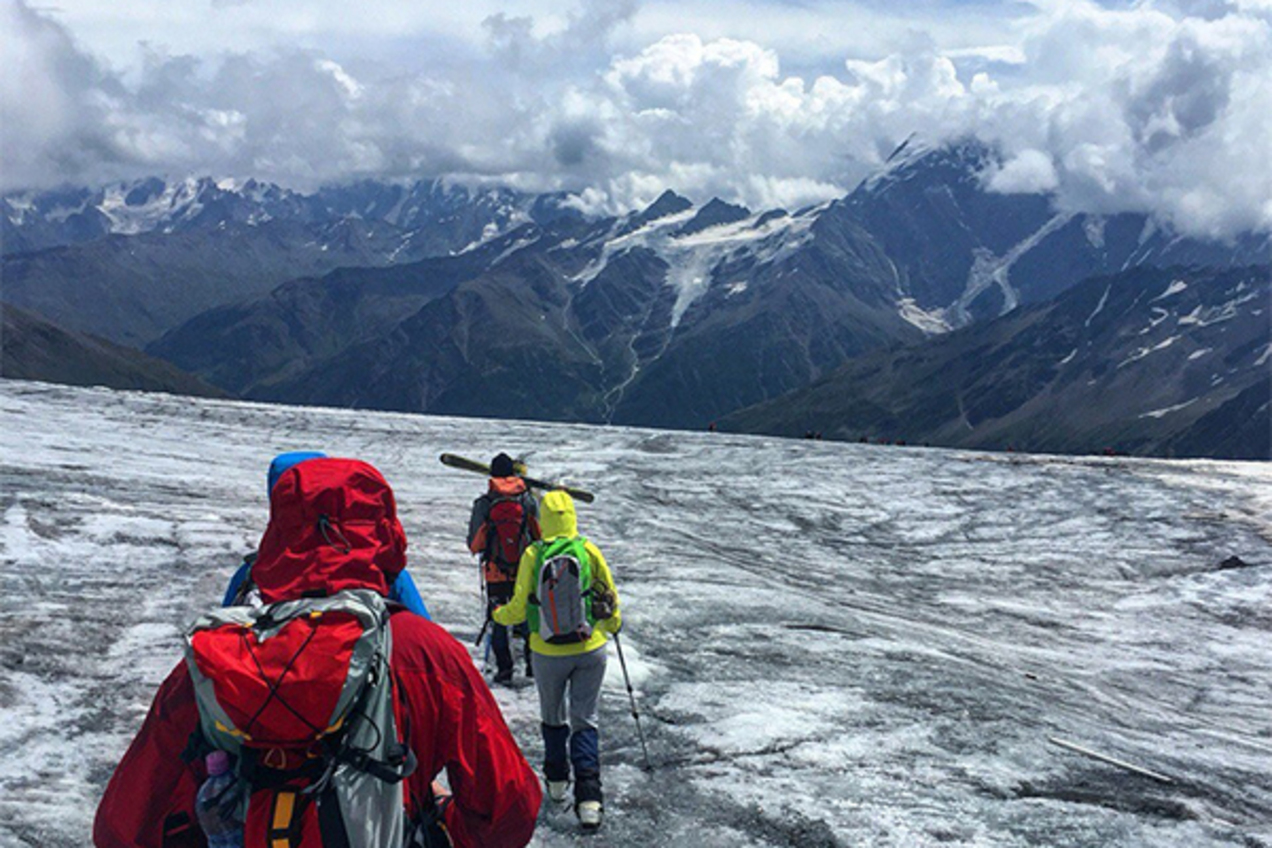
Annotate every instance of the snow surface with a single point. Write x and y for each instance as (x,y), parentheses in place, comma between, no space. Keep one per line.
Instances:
(832,644)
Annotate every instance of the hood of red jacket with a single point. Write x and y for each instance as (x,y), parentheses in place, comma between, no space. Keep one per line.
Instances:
(333,525)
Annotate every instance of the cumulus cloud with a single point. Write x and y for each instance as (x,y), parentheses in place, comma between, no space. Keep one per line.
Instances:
(1163,107)
(1029,172)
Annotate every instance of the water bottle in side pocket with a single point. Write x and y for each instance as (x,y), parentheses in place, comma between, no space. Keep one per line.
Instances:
(217,804)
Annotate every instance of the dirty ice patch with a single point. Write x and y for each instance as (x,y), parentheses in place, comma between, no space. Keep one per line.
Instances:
(17,540)
(739,717)
(639,669)
(844,626)
(1249,484)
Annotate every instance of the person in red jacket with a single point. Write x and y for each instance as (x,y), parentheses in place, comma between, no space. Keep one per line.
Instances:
(451,721)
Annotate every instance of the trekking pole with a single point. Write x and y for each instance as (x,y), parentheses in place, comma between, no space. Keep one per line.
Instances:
(632,697)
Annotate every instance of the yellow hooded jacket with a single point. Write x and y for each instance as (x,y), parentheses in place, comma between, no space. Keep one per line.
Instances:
(556,519)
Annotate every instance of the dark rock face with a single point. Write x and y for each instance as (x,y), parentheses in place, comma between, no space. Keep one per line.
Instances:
(34,349)
(132,289)
(975,254)
(1150,361)
(715,213)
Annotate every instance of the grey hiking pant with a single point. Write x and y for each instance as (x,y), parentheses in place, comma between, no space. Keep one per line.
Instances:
(582,674)
(576,744)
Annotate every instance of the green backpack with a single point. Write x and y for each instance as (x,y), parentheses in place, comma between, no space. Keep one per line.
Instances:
(560,608)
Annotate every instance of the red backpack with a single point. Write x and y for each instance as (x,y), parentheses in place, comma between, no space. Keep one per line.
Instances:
(300,694)
(508,532)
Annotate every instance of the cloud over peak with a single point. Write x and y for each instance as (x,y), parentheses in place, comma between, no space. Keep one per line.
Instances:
(1163,107)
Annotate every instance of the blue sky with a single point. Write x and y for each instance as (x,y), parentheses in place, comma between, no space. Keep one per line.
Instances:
(1152,105)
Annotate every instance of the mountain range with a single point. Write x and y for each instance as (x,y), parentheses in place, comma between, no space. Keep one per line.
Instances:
(1170,362)
(448,300)
(131,261)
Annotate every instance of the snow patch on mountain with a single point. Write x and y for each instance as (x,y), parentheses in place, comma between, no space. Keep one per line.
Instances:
(1204,316)
(1093,228)
(1158,316)
(517,245)
(1099,307)
(692,258)
(20,206)
(899,166)
(990,270)
(1145,351)
(932,322)
(1164,411)
(177,201)
(1174,288)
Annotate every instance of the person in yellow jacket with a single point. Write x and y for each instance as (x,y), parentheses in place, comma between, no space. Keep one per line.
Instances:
(566,592)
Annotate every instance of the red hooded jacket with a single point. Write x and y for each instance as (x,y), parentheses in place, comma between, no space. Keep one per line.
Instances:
(335,526)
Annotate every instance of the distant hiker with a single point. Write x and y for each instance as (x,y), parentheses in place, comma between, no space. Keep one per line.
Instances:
(566,592)
(711,428)
(242,590)
(337,712)
(504,521)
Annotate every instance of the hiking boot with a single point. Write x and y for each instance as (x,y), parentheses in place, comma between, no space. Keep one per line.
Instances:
(557,790)
(503,677)
(590,814)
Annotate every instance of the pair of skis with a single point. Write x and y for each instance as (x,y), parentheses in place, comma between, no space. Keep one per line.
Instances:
(464,464)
